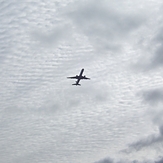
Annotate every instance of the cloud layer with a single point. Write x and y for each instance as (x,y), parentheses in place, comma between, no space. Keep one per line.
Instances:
(106,26)
(43,117)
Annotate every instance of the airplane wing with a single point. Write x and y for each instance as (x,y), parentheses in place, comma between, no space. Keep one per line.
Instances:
(86,78)
(73,77)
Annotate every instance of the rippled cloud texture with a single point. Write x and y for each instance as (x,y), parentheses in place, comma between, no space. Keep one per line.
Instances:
(115,117)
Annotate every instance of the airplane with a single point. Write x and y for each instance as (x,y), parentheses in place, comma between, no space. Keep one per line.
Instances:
(78,77)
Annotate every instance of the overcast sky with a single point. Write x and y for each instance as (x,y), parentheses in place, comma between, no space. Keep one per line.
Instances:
(116,117)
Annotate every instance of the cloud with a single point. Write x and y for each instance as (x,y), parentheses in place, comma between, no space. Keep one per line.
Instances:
(106,160)
(104,24)
(157,44)
(146,142)
(158,57)
(53,37)
(71,124)
(152,50)
(153,96)
(110,160)
(160,161)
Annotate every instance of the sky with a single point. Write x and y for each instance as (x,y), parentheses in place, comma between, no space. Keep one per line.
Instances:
(116,117)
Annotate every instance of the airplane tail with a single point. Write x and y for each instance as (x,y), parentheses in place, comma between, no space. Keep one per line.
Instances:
(76,84)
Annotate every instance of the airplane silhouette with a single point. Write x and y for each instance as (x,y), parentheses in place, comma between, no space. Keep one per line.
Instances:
(78,77)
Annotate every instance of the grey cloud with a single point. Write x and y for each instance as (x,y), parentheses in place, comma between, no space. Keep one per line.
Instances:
(157,60)
(153,96)
(153,50)
(157,118)
(161,130)
(157,41)
(104,24)
(106,160)
(159,37)
(160,161)
(110,160)
(146,142)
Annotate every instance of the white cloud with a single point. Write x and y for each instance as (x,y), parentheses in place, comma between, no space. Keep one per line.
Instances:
(43,117)
(58,34)
(151,45)
(106,24)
